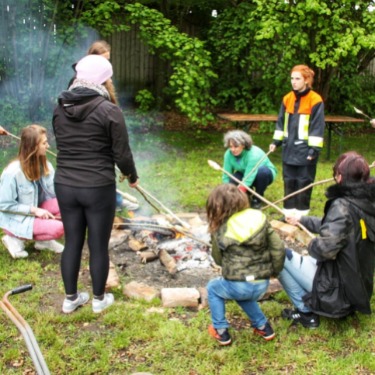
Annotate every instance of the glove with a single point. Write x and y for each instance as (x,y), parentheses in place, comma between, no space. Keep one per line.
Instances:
(242,188)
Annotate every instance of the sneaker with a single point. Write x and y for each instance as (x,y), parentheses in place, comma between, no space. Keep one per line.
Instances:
(308,320)
(128,205)
(52,245)
(70,306)
(256,204)
(15,246)
(222,338)
(99,305)
(267,332)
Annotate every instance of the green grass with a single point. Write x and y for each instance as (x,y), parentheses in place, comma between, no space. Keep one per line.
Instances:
(131,337)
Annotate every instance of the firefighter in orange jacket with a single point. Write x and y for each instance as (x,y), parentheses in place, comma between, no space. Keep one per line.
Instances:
(299,129)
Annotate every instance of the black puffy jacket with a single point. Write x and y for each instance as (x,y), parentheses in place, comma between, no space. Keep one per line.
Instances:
(345,251)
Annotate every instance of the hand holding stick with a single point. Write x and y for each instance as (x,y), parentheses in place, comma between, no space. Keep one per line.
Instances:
(217,167)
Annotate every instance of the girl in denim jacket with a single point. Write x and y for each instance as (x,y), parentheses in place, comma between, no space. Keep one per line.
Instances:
(28,206)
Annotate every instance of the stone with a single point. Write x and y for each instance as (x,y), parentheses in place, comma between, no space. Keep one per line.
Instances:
(140,291)
(113,280)
(185,297)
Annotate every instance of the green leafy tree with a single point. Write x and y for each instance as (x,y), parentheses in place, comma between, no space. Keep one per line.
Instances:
(189,83)
(258,42)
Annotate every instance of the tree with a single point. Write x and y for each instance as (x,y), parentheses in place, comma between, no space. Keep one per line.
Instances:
(190,80)
(258,42)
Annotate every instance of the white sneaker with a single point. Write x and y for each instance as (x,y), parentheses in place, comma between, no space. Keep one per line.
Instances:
(15,246)
(99,305)
(51,245)
(128,205)
(70,306)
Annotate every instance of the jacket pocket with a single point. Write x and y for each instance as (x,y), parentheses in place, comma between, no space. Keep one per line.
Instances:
(328,296)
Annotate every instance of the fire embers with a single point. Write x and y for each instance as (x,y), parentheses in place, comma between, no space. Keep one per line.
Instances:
(176,249)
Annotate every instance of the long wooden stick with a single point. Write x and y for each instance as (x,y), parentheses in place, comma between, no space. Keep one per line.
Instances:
(148,201)
(57,217)
(300,191)
(257,165)
(18,138)
(321,182)
(185,225)
(216,166)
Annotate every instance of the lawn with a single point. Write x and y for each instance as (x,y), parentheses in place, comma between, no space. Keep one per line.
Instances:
(137,336)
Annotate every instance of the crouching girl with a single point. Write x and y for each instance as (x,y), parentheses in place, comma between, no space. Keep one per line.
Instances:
(249,252)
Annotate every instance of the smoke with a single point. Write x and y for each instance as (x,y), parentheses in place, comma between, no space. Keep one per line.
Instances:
(36,54)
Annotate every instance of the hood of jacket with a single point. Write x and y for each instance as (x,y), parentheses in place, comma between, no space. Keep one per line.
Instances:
(362,197)
(78,103)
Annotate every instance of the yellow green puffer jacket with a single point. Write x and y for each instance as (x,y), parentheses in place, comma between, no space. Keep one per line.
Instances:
(247,248)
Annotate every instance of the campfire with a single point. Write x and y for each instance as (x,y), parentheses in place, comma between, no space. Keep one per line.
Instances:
(152,239)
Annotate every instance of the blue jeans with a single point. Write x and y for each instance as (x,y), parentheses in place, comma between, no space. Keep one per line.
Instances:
(246,294)
(297,277)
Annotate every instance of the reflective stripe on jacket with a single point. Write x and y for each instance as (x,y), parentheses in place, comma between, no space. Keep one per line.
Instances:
(300,127)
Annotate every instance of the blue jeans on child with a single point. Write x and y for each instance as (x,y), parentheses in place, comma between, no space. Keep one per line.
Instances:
(297,277)
(246,294)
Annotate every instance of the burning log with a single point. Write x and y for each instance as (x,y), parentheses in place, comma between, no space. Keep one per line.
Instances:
(168,261)
(136,245)
(148,256)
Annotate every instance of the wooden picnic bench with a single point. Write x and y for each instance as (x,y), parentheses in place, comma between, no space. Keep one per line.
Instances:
(246,121)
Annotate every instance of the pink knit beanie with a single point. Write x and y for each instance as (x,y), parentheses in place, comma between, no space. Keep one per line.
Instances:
(94,68)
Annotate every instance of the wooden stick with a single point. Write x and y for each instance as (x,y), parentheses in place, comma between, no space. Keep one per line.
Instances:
(361,113)
(300,191)
(127,196)
(217,167)
(27,214)
(148,201)
(18,138)
(308,187)
(185,225)
(257,165)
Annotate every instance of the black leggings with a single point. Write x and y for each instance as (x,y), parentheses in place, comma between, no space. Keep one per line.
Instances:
(82,209)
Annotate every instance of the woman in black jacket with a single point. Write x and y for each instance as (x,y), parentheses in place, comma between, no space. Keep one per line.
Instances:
(91,138)
(336,278)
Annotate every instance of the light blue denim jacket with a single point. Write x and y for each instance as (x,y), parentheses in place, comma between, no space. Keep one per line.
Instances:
(18,194)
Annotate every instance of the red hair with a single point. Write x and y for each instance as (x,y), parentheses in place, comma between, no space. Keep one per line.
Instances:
(352,167)
(306,72)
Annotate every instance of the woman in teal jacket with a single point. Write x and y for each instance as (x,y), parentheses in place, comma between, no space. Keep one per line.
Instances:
(248,163)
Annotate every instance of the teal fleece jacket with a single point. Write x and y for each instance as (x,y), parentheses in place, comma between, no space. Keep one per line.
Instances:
(245,163)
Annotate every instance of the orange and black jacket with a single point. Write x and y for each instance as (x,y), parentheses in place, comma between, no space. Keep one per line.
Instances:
(300,127)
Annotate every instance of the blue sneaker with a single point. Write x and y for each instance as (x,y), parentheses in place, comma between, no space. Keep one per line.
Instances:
(223,338)
(267,332)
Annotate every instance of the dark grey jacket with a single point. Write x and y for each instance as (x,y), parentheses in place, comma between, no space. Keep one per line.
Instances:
(345,251)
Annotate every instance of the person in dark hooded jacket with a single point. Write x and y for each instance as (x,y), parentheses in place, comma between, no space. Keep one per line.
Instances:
(336,278)
(91,137)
